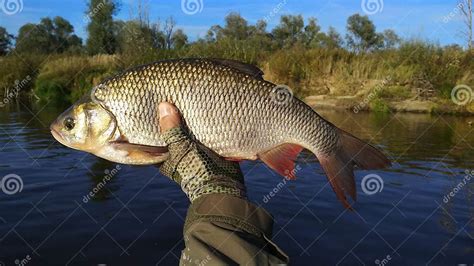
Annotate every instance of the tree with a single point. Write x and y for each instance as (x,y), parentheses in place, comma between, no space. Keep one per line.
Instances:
(61,32)
(466,8)
(261,27)
(5,41)
(214,33)
(179,39)
(236,27)
(390,39)
(101,27)
(332,39)
(49,36)
(289,31)
(312,33)
(168,31)
(362,36)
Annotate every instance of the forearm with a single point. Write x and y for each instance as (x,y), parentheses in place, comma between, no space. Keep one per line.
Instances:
(198,170)
(222,229)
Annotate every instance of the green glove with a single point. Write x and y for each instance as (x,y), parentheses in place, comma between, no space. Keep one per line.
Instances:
(197,169)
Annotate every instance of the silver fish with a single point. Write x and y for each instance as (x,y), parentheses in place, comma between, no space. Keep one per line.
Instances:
(226,105)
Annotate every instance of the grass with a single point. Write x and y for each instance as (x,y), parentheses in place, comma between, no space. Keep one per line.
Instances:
(66,79)
(413,65)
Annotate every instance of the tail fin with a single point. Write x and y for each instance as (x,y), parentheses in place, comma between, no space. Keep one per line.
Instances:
(339,165)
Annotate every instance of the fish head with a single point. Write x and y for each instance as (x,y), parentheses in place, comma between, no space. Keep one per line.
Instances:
(88,126)
(85,126)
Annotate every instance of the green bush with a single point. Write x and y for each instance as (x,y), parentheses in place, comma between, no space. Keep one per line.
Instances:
(64,80)
(379,105)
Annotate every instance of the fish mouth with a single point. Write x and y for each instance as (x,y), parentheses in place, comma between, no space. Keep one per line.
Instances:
(56,135)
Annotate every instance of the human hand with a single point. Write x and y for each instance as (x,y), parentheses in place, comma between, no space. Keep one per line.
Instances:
(196,168)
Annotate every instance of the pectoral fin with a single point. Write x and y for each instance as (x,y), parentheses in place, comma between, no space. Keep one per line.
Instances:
(129,153)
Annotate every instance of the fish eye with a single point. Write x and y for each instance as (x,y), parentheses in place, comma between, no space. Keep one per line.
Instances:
(69,123)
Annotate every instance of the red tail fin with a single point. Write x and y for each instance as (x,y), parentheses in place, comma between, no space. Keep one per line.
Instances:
(339,164)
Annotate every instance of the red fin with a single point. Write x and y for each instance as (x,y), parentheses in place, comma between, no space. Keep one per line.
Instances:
(340,175)
(282,159)
(339,165)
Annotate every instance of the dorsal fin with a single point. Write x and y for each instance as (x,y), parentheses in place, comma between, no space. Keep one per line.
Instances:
(248,69)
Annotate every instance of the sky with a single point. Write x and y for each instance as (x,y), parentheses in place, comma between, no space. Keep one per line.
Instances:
(434,20)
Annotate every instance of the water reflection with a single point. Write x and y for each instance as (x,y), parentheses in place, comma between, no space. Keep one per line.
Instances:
(431,154)
(102,174)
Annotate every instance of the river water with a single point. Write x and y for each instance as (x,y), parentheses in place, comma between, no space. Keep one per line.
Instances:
(77,209)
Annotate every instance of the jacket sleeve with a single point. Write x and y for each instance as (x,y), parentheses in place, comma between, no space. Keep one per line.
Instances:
(227,230)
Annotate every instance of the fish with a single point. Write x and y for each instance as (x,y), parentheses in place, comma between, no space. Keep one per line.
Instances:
(227,106)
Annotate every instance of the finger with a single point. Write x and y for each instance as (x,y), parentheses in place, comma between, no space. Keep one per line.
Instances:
(169,116)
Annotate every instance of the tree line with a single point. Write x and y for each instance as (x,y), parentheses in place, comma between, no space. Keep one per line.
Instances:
(109,36)
(296,52)
(139,35)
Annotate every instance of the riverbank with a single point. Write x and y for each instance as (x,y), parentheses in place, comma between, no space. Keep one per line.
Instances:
(358,104)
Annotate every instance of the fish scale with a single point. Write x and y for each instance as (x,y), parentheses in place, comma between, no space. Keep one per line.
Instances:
(231,112)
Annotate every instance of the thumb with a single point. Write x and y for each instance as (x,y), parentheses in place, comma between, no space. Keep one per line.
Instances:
(169,116)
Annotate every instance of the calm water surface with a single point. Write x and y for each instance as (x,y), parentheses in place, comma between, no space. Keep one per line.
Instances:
(137,217)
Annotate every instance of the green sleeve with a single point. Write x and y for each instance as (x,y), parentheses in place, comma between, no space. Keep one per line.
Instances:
(227,230)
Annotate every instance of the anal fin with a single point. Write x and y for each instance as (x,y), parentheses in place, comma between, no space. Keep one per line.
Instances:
(282,159)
